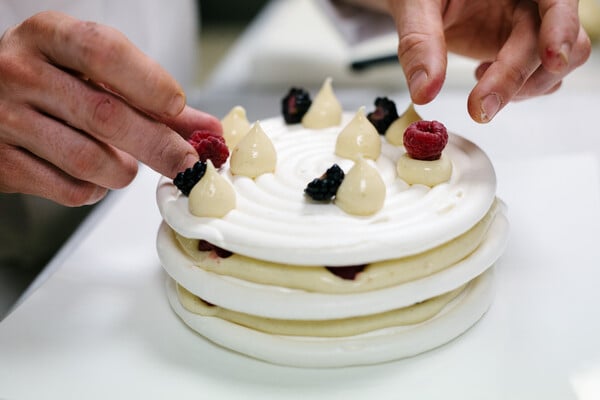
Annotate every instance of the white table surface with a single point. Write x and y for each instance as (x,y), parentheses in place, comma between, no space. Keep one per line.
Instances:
(99,325)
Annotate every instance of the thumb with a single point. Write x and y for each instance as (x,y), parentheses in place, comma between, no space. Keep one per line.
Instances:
(421,46)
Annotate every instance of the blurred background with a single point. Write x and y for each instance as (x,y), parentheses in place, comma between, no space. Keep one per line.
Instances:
(221,25)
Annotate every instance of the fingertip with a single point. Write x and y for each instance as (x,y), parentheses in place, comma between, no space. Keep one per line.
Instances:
(185,161)
(558,33)
(422,48)
(489,106)
(76,193)
(483,108)
(481,68)
(560,59)
(98,194)
(556,59)
(214,124)
(188,161)
(423,87)
(191,120)
(176,105)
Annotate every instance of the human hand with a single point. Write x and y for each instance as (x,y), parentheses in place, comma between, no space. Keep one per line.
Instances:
(526,47)
(80,105)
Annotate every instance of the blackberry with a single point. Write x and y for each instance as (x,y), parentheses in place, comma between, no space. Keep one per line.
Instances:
(294,105)
(347,272)
(187,179)
(385,113)
(325,187)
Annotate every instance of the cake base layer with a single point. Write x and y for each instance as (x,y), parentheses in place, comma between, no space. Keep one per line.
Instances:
(371,348)
(284,303)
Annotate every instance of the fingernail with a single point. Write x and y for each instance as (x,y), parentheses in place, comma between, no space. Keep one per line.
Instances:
(177,104)
(558,60)
(563,53)
(99,194)
(417,80)
(490,105)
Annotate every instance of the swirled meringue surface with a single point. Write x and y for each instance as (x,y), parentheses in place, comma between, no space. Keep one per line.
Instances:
(274,221)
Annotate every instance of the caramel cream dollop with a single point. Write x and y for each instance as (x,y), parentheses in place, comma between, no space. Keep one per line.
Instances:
(395,133)
(429,173)
(362,191)
(359,138)
(254,155)
(325,110)
(213,196)
(235,126)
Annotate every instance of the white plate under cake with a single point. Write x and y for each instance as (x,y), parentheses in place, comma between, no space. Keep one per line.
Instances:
(291,280)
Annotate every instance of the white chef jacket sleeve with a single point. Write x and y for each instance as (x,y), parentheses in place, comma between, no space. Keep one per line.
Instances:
(166,31)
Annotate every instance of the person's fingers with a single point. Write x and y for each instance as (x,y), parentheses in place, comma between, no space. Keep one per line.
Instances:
(105,55)
(481,68)
(71,151)
(545,82)
(515,63)
(421,46)
(106,117)
(191,120)
(524,95)
(558,33)
(23,172)
(542,81)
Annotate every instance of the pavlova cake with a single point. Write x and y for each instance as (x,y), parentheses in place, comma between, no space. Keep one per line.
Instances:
(324,238)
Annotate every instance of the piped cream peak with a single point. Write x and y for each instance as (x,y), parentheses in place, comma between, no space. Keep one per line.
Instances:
(235,126)
(254,155)
(362,191)
(325,110)
(213,196)
(395,133)
(359,138)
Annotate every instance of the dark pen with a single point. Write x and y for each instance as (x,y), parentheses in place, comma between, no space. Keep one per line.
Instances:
(364,64)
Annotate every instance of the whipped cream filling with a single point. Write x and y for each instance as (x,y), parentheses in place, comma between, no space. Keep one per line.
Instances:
(373,347)
(273,221)
(284,303)
(321,328)
(376,275)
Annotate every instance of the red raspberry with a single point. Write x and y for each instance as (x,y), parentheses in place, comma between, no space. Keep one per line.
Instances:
(210,146)
(425,140)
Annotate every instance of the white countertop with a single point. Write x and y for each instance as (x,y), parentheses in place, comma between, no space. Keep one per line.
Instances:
(100,325)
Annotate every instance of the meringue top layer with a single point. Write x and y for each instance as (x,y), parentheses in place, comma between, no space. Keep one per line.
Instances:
(274,221)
